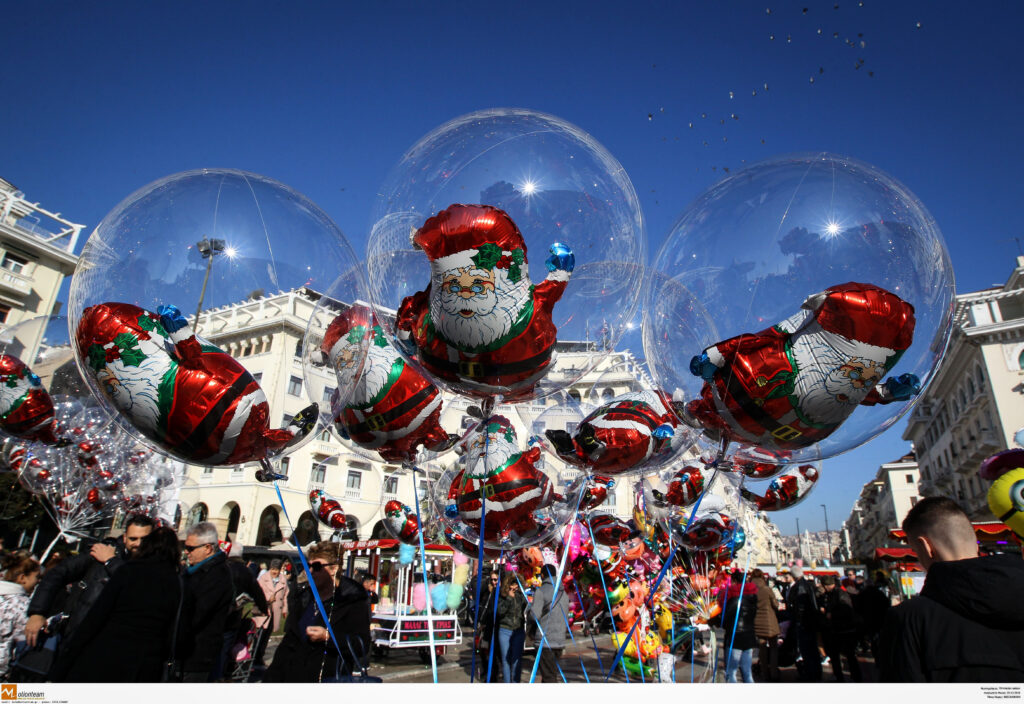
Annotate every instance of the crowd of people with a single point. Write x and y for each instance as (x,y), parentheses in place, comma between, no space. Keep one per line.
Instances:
(145,608)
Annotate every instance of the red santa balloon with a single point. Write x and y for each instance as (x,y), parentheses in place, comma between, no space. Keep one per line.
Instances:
(630,432)
(609,530)
(26,410)
(683,488)
(390,407)
(401,522)
(596,491)
(788,489)
(498,472)
(792,385)
(182,393)
(708,531)
(481,325)
(327,509)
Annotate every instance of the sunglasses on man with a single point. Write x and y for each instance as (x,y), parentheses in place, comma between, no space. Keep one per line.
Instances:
(190,548)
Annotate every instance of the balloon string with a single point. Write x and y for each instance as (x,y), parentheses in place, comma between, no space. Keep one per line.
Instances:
(558,579)
(608,601)
(543,636)
(584,610)
(736,621)
(423,564)
(309,576)
(494,618)
(661,576)
(579,656)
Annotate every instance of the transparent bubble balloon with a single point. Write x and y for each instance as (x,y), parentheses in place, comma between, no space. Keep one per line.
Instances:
(507,495)
(497,234)
(708,530)
(671,493)
(785,490)
(375,401)
(801,305)
(169,297)
(37,365)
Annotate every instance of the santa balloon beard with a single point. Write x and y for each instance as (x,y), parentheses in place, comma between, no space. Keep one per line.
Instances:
(483,458)
(483,318)
(139,397)
(374,375)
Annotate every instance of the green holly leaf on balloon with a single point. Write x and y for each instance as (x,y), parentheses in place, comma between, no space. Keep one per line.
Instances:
(356,334)
(148,324)
(97,357)
(514,269)
(128,345)
(378,337)
(487,255)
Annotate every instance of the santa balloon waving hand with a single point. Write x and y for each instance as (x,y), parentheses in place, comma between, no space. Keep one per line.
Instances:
(481,324)
(792,385)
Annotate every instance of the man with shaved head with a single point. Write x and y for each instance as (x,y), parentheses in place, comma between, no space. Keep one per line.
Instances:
(967,625)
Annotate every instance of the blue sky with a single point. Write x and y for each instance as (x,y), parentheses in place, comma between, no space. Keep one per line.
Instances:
(102,98)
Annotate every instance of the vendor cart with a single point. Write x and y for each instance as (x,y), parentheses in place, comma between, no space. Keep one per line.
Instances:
(395,622)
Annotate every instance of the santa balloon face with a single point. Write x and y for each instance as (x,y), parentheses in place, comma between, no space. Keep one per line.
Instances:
(26,410)
(629,433)
(391,407)
(327,509)
(792,385)
(482,326)
(786,490)
(189,397)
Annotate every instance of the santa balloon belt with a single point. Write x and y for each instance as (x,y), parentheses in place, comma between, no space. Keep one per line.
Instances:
(479,370)
(379,421)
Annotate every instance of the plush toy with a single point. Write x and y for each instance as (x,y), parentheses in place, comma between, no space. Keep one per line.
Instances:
(792,385)
(481,324)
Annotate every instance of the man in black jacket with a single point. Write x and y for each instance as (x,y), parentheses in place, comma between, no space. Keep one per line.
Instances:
(211,615)
(967,625)
(86,574)
(804,617)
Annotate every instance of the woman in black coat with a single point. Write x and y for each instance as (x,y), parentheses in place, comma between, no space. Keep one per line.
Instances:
(306,652)
(738,623)
(127,634)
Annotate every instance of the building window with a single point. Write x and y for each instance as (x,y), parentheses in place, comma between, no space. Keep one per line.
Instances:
(298,348)
(283,465)
(294,386)
(328,393)
(14,263)
(319,472)
(354,481)
(258,376)
(910,479)
(390,486)
(4,312)
(1020,361)
(325,435)
(207,471)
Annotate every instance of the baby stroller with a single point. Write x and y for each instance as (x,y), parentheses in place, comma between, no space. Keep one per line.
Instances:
(253,634)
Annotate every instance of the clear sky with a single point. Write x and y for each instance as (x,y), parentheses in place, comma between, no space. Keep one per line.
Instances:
(102,98)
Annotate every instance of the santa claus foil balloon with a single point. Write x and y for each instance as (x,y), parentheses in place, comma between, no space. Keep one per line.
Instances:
(503,492)
(786,490)
(390,407)
(327,509)
(798,308)
(218,247)
(631,433)
(192,399)
(401,522)
(503,239)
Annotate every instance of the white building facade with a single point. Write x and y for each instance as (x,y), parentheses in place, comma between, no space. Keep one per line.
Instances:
(975,404)
(881,507)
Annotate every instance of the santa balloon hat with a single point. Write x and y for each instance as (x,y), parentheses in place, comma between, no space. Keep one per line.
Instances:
(890,323)
(478,235)
(349,327)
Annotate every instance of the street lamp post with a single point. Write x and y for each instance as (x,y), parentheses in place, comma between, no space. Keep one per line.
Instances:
(208,249)
(828,536)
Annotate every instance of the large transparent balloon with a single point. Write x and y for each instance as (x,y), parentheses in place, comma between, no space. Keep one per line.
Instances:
(800,307)
(498,233)
(179,286)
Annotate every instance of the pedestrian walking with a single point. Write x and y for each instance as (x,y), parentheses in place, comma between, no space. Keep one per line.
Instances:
(128,633)
(21,574)
(275,589)
(547,624)
(804,619)
(738,621)
(839,632)
(967,624)
(766,628)
(511,627)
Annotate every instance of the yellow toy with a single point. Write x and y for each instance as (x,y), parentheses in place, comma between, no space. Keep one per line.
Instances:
(1006,500)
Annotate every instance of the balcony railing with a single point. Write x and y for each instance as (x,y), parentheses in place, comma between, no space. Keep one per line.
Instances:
(15,283)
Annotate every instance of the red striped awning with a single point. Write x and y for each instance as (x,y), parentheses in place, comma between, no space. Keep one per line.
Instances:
(986,531)
(894,554)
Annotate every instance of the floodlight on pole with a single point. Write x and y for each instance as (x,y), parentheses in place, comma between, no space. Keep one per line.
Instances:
(208,249)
